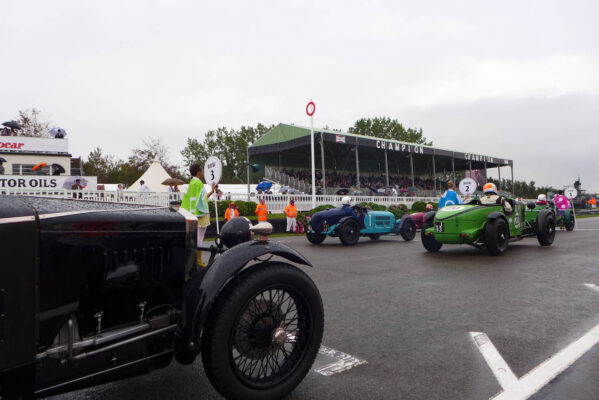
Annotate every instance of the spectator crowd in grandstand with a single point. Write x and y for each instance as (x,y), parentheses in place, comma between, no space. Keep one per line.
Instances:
(398,185)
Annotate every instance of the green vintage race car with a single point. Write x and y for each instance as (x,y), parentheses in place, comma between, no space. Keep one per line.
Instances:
(488,226)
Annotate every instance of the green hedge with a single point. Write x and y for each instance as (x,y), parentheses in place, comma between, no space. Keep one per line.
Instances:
(398,210)
(420,206)
(374,206)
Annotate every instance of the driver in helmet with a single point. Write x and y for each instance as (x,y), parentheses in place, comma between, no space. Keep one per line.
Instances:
(492,198)
(542,199)
(346,206)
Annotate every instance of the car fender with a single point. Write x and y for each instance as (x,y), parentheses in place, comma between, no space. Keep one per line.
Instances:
(342,220)
(429,217)
(201,291)
(496,214)
(399,223)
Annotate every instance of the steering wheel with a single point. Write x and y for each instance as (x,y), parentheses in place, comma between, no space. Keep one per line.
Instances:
(357,209)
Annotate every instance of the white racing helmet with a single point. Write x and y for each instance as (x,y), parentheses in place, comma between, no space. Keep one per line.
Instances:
(542,197)
(346,200)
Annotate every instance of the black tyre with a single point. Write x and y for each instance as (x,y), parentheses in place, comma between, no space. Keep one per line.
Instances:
(571,223)
(374,236)
(497,236)
(408,230)
(263,333)
(315,238)
(429,242)
(546,232)
(349,232)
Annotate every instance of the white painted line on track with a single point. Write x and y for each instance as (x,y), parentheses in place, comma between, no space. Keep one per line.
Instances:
(592,286)
(544,373)
(587,229)
(344,361)
(499,367)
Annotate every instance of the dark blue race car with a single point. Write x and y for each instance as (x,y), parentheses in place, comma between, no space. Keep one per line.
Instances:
(349,223)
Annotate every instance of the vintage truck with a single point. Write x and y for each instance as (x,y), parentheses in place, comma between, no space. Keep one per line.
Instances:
(92,292)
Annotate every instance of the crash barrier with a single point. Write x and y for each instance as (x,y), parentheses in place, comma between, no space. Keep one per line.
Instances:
(276,202)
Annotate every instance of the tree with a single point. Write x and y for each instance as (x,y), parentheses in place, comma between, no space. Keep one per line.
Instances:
(386,128)
(229,145)
(142,157)
(30,122)
(110,169)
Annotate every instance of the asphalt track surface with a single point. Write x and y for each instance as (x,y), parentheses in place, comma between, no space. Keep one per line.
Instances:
(408,313)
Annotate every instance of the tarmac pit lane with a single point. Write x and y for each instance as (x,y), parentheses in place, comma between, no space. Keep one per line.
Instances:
(408,313)
(540,376)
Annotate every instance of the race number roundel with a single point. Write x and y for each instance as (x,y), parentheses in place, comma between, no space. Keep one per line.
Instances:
(310,108)
(571,193)
(213,170)
(467,186)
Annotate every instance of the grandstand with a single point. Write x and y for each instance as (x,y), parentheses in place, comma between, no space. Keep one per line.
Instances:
(363,164)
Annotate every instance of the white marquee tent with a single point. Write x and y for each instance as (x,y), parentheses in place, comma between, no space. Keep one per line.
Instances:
(153,177)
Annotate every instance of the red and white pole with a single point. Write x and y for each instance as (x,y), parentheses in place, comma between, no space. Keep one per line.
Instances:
(310,109)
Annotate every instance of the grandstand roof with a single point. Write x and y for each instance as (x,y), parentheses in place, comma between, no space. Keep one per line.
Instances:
(286,137)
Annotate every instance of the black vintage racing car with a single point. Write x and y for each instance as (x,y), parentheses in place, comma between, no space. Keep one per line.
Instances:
(92,292)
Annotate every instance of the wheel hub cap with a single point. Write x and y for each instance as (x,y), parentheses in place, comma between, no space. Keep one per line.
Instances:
(279,337)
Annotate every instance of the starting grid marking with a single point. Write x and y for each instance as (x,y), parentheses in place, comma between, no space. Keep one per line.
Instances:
(343,362)
(541,375)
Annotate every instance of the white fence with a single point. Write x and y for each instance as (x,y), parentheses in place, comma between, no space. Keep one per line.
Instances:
(149,198)
(276,202)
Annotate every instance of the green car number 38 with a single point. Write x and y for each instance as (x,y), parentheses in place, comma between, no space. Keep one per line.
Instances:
(488,226)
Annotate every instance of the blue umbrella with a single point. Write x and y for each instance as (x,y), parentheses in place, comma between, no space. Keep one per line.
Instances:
(264,185)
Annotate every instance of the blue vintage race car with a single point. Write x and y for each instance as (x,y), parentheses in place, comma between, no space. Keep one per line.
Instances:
(348,227)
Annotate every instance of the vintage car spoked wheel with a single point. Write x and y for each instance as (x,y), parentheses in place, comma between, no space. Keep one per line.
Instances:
(497,236)
(546,232)
(264,333)
(349,232)
(375,236)
(408,230)
(315,238)
(429,242)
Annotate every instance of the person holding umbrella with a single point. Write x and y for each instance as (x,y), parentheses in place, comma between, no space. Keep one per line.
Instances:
(77,185)
(57,169)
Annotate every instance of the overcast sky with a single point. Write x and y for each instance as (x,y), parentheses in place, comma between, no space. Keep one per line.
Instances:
(514,79)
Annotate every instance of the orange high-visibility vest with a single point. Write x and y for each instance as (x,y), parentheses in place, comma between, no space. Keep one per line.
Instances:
(291,211)
(261,212)
(228,213)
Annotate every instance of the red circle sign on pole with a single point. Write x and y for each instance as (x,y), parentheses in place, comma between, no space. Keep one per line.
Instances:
(310,113)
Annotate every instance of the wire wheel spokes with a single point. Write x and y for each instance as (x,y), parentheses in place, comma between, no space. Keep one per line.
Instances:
(269,335)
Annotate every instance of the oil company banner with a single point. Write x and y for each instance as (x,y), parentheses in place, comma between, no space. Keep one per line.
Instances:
(26,144)
(46,182)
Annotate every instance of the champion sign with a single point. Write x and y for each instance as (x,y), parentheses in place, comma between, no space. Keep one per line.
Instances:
(476,157)
(411,148)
